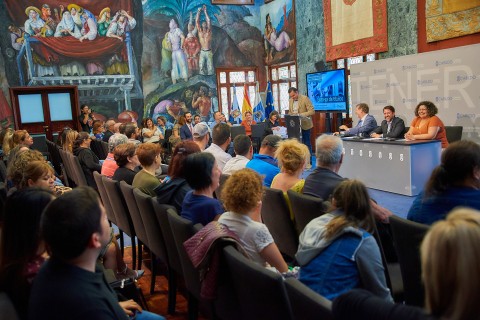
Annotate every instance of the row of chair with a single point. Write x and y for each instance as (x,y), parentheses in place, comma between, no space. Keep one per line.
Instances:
(73,169)
(163,231)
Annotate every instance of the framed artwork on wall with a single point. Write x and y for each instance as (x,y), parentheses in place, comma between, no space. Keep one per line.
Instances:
(238,2)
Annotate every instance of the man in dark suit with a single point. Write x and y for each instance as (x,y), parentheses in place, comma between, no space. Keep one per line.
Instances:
(187,129)
(366,124)
(109,125)
(391,127)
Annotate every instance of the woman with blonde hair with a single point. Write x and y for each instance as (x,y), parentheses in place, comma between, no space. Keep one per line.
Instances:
(292,157)
(242,197)
(337,251)
(70,137)
(40,174)
(21,137)
(450,257)
(175,137)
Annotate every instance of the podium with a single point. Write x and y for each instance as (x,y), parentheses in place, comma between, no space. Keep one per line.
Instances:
(294,130)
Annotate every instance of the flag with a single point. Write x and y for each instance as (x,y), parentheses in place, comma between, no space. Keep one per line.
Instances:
(246,105)
(258,110)
(269,100)
(235,115)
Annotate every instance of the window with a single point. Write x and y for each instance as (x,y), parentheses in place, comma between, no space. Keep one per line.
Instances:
(230,78)
(349,61)
(282,77)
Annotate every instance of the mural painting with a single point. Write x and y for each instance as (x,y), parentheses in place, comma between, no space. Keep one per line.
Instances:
(151,58)
(279,31)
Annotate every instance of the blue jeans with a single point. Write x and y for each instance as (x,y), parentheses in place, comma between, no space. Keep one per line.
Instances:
(306,139)
(145,315)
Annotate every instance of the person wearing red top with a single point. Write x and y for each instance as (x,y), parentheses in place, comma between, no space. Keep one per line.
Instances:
(247,123)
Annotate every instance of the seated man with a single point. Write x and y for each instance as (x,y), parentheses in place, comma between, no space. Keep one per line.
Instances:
(69,285)
(244,153)
(201,135)
(221,139)
(391,127)
(264,162)
(365,125)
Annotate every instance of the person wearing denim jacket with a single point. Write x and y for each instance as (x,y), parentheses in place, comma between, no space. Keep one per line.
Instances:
(332,264)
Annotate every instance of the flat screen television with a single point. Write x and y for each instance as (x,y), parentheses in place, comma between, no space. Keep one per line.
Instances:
(327,90)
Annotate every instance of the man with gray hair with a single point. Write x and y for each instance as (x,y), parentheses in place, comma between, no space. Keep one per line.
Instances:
(109,166)
(321,182)
(325,178)
(109,130)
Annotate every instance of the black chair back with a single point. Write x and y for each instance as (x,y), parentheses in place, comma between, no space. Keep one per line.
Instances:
(3,171)
(258,132)
(276,215)
(237,130)
(98,149)
(407,237)
(261,292)
(305,208)
(454,133)
(103,195)
(54,156)
(306,304)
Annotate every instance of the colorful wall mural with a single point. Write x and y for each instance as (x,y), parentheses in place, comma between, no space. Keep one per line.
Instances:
(155,57)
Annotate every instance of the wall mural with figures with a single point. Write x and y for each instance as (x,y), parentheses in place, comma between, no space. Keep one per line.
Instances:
(139,58)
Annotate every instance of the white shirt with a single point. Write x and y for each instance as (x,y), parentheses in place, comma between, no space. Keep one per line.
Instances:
(220,155)
(254,236)
(236,163)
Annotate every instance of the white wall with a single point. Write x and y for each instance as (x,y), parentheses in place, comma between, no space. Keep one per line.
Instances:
(449,78)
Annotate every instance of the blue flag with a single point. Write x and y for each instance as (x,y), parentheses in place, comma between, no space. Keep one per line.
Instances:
(269,100)
(235,113)
(258,109)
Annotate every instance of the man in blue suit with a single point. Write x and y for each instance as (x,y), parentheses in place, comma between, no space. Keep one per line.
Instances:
(366,124)
(391,127)
(187,129)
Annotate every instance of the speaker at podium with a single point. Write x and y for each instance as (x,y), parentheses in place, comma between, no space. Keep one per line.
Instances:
(294,130)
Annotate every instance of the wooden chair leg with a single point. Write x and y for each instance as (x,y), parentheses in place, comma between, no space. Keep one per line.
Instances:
(154,272)
(172,291)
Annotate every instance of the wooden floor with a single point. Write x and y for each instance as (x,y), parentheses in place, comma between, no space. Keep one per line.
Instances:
(157,302)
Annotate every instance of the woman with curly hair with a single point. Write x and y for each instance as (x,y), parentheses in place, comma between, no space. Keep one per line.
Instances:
(150,132)
(242,197)
(426,125)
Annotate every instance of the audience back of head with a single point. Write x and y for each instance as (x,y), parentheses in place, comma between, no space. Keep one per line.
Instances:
(242,145)
(292,155)
(176,169)
(328,150)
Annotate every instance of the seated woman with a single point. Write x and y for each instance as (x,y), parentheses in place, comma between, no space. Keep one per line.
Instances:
(98,129)
(203,176)
(242,196)
(88,160)
(21,137)
(426,125)
(247,123)
(22,250)
(271,123)
(150,132)
(70,138)
(174,188)
(17,164)
(109,166)
(292,158)
(450,256)
(149,156)
(175,137)
(40,174)
(455,182)
(127,162)
(337,253)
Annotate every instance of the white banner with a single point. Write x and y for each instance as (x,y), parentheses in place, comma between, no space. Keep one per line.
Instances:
(449,78)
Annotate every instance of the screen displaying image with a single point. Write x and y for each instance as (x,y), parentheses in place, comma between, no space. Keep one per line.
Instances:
(31,108)
(326,90)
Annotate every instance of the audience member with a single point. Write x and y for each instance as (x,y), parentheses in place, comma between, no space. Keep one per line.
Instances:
(243,154)
(455,182)
(337,252)
(221,139)
(149,156)
(18,163)
(450,256)
(110,130)
(391,127)
(132,132)
(201,135)
(39,173)
(70,285)
(196,119)
(173,189)
(150,132)
(186,131)
(175,137)
(127,162)
(426,125)
(98,129)
(109,166)
(365,125)
(7,143)
(203,176)
(70,138)
(87,158)
(247,123)
(264,162)
(22,249)
(21,137)
(292,157)
(242,196)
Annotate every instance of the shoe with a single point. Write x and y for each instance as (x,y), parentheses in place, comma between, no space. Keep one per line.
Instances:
(129,273)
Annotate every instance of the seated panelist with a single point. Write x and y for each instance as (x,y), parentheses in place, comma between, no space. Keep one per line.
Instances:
(366,124)
(391,127)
